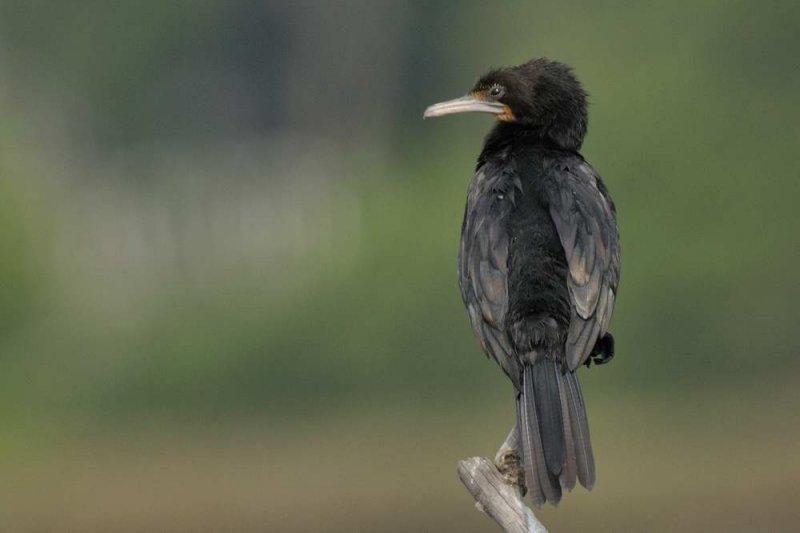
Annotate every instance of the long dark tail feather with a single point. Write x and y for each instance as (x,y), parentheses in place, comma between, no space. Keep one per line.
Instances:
(528,434)
(537,423)
(580,431)
(541,485)
(554,433)
(548,411)
(569,474)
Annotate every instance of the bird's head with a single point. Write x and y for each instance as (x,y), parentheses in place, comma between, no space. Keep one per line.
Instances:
(541,95)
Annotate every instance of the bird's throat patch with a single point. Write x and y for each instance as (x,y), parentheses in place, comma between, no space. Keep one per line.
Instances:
(507,115)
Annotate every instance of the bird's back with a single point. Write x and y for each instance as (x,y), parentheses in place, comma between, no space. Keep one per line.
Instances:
(511,262)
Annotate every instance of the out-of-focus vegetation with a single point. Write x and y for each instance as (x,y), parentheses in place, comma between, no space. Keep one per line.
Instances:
(227,281)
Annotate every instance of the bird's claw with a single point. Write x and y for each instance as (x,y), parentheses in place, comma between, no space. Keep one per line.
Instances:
(603,351)
(509,464)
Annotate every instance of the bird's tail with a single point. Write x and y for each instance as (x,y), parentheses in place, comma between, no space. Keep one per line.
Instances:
(554,432)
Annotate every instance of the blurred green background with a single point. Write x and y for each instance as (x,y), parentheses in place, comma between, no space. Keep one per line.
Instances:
(228,298)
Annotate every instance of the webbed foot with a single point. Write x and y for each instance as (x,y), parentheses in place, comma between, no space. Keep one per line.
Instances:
(603,351)
(509,464)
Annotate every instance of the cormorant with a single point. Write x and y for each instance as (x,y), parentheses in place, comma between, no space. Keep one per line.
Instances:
(539,262)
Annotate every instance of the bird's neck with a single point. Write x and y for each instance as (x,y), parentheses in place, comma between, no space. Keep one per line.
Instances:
(563,135)
(507,135)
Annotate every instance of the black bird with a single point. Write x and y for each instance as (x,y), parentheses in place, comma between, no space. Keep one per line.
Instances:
(539,262)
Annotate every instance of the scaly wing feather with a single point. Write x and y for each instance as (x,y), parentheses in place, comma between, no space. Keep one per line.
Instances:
(585,219)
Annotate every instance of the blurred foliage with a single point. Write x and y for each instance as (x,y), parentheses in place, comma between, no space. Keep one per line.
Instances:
(217,216)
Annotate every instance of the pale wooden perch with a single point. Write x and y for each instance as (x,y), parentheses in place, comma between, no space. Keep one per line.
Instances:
(494,494)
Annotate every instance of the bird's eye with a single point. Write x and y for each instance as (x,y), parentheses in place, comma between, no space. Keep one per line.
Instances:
(496,91)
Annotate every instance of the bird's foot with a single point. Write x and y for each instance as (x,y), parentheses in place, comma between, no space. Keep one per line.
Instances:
(509,464)
(603,351)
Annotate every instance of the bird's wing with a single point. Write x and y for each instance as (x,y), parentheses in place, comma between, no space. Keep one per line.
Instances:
(483,259)
(585,219)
